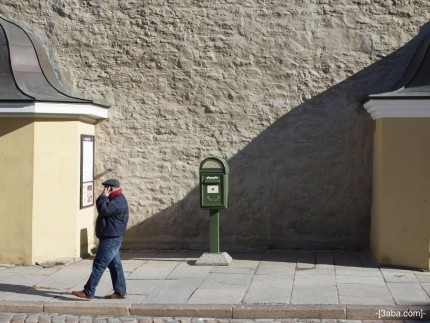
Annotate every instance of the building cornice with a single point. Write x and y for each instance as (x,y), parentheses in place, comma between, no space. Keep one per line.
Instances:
(406,108)
(86,112)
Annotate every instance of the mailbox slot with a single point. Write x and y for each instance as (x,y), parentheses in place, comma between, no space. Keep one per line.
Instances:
(211,180)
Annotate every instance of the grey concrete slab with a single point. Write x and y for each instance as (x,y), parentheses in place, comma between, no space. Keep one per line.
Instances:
(22,270)
(423,277)
(154,269)
(364,293)
(324,264)
(47,271)
(220,288)
(233,270)
(5,276)
(180,255)
(266,289)
(217,296)
(314,294)
(131,265)
(138,255)
(315,280)
(357,271)
(243,263)
(186,270)
(317,270)
(29,295)
(370,280)
(409,294)
(276,268)
(426,287)
(399,276)
(172,292)
(228,281)
(17,282)
(65,278)
(142,287)
(19,287)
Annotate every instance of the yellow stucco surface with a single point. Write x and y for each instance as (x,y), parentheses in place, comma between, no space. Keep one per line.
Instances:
(41,166)
(400,228)
(16,176)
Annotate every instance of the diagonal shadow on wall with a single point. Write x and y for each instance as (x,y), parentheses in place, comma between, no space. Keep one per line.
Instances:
(313,193)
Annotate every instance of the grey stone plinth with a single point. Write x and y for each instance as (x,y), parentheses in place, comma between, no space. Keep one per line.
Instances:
(214,259)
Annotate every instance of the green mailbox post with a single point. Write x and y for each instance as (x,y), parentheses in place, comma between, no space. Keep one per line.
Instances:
(214,194)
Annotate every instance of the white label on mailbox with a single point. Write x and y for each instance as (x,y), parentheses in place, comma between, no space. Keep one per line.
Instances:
(213,189)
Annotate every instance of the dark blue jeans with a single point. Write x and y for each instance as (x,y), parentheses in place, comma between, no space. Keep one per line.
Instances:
(107,256)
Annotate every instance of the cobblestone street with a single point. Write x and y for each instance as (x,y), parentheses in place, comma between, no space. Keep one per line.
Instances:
(55,318)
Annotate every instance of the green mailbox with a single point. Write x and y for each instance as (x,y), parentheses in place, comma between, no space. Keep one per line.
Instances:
(213,183)
(214,194)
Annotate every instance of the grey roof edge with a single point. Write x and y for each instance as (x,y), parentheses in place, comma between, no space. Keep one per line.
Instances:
(400,90)
(46,70)
(414,65)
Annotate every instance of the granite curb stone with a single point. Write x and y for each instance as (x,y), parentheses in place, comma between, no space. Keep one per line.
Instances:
(87,308)
(21,306)
(182,310)
(220,311)
(284,311)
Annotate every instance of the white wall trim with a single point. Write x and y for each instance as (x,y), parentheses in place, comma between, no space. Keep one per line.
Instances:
(85,111)
(398,108)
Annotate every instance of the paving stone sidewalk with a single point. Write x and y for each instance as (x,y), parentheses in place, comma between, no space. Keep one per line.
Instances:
(257,285)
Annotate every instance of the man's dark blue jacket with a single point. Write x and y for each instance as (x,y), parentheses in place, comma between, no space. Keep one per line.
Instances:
(113,216)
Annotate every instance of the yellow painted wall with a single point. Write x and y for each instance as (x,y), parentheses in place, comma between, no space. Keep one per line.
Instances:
(16,198)
(400,228)
(58,220)
(40,172)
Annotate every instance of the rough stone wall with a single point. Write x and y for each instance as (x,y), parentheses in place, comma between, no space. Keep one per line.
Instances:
(275,87)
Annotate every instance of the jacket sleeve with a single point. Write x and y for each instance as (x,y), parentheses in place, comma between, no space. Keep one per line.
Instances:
(107,207)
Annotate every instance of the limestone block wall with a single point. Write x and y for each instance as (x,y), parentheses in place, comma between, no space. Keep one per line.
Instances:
(274,87)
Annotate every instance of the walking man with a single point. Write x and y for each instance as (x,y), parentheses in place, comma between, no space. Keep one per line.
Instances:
(111,223)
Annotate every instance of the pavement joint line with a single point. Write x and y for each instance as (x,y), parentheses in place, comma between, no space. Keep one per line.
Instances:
(227,311)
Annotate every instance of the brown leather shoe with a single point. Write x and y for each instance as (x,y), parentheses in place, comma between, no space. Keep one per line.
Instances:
(116,296)
(81,294)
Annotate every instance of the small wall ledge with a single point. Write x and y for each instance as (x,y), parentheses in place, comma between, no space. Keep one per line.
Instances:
(86,112)
(395,108)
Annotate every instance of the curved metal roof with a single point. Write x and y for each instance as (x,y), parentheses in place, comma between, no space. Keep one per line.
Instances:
(25,71)
(415,82)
